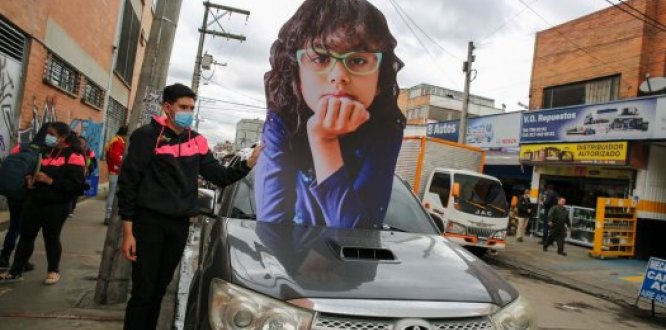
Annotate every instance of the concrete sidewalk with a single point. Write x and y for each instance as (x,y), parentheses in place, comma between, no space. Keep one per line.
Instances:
(616,280)
(68,304)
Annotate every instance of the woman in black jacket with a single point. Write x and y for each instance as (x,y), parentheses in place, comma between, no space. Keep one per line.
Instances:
(48,201)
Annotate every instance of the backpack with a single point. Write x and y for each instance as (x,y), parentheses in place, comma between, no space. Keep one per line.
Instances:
(13,170)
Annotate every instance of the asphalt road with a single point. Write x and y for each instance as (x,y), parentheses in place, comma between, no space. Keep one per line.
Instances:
(562,308)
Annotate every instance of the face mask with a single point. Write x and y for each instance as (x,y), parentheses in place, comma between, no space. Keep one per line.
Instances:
(50,140)
(183,119)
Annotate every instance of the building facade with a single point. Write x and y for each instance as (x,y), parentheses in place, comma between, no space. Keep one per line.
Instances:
(71,61)
(248,132)
(593,67)
(424,104)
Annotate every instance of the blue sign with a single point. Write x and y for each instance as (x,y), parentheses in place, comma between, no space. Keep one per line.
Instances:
(445,130)
(624,120)
(654,283)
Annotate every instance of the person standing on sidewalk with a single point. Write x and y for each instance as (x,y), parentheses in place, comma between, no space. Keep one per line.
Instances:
(91,165)
(549,200)
(15,203)
(524,214)
(114,157)
(49,200)
(158,194)
(558,220)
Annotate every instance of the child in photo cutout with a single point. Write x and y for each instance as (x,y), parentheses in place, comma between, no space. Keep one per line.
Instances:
(333,129)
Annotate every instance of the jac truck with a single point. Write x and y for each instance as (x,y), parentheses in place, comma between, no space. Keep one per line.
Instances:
(447,178)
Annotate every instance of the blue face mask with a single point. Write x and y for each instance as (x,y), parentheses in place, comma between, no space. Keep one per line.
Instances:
(50,140)
(183,119)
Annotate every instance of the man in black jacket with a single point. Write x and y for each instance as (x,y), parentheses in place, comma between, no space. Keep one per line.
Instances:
(157,195)
(558,220)
(549,200)
(524,214)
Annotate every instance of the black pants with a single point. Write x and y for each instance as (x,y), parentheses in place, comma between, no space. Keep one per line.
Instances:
(15,213)
(48,216)
(544,220)
(160,241)
(557,235)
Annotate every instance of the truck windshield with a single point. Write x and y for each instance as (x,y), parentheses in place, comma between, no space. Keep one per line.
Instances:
(481,196)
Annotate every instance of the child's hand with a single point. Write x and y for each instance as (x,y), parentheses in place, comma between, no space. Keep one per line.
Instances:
(336,116)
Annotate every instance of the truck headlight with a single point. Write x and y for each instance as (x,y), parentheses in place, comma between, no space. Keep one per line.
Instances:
(233,307)
(500,235)
(455,228)
(517,315)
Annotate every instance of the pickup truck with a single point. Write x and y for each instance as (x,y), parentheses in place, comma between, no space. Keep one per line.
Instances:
(402,276)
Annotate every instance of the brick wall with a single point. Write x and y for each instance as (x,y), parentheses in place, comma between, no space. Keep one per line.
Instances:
(607,42)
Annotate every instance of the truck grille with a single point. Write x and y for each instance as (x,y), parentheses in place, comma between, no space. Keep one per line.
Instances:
(480,232)
(325,322)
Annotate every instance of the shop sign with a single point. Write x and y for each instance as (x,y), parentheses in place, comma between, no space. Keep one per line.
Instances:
(586,171)
(654,282)
(495,131)
(599,153)
(638,119)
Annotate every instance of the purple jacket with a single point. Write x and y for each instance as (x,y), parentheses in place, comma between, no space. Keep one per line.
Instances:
(355,196)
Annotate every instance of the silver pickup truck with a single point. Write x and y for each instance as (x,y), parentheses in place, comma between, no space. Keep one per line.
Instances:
(404,276)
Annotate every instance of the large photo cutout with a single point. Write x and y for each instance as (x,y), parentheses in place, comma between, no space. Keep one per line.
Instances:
(333,130)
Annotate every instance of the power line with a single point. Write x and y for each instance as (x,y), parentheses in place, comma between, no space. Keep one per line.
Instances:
(230,102)
(569,40)
(432,57)
(505,23)
(653,21)
(395,4)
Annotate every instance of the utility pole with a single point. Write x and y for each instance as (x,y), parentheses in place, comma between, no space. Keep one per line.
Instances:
(467,69)
(196,75)
(114,270)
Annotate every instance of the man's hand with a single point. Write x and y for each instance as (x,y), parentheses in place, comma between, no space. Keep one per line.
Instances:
(336,116)
(42,177)
(254,157)
(29,182)
(129,242)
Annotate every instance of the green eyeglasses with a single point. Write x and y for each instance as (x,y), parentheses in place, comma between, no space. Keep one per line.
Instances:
(321,62)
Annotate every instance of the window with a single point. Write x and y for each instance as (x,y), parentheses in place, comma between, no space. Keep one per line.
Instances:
(61,75)
(115,118)
(585,92)
(93,94)
(129,38)
(441,185)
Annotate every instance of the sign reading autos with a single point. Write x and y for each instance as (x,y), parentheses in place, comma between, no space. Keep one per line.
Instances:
(495,131)
(637,119)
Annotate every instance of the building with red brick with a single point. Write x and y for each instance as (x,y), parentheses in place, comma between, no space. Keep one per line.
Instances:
(596,64)
(74,61)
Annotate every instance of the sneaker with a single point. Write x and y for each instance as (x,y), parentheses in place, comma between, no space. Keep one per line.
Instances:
(519,239)
(564,254)
(52,278)
(6,277)
(28,266)
(107,221)
(70,215)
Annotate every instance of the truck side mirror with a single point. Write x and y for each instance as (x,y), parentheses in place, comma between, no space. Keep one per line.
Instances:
(439,222)
(206,202)
(455,192)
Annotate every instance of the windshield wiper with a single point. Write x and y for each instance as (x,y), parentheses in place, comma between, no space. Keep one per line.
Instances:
(475,204)
(497,208)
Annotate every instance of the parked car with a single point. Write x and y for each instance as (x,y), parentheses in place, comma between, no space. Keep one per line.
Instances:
(403,276)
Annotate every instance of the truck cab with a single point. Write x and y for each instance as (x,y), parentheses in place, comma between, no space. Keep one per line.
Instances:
(473,207)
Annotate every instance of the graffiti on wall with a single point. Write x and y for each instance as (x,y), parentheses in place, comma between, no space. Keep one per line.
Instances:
(152,101)
(10,71)
(92,132)
(48,115)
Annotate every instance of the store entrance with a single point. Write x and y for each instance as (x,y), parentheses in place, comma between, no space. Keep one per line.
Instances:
(584,191)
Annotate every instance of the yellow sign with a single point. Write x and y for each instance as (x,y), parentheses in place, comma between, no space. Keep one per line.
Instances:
(598,153)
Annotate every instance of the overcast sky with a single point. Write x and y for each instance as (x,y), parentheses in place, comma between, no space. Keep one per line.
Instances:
(502,30)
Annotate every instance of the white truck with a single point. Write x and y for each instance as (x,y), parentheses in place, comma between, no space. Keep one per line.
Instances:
(447,177)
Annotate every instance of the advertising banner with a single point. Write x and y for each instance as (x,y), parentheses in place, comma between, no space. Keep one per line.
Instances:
(654,282)
(496,131)
(600,153)
(625,120)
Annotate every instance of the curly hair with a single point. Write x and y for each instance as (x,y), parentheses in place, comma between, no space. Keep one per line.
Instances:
(325,24)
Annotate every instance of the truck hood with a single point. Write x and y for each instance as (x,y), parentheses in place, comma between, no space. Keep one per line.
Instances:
(291,262)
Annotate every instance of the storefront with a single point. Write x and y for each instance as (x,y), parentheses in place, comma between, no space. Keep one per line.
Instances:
(581,173)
